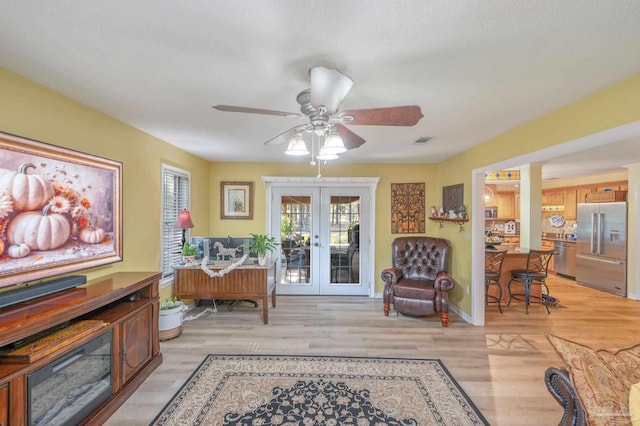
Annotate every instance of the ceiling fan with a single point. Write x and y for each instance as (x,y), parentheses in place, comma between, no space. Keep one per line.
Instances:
(326,125)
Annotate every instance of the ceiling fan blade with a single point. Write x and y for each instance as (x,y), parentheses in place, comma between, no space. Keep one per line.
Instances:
(286,135)
(350,139)
(328,87)
(231,108)
(392,116)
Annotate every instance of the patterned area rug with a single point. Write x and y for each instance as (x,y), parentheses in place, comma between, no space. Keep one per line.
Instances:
(309,390)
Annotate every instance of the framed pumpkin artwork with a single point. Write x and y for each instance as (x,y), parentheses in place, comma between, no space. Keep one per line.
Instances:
(60,210)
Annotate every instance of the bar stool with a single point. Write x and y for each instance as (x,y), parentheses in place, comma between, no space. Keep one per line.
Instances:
(534,274)
(493,260)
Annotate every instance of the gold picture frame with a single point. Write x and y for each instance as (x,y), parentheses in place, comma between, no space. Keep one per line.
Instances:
(236,200)
(74,195)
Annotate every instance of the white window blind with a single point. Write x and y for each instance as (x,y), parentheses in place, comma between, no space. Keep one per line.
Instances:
(175,197)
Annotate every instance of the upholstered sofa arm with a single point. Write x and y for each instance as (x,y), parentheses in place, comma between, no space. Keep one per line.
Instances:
(390,277)
(560,387)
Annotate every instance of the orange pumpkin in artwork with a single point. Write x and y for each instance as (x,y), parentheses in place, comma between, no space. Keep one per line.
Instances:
(29,192)
(39,230)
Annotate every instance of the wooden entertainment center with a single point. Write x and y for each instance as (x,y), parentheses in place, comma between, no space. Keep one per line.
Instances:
(123,305)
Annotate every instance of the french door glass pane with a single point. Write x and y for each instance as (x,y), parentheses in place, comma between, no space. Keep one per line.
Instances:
(344,239)
(295,228)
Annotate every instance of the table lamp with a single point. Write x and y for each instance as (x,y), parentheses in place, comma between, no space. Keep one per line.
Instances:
(184,222)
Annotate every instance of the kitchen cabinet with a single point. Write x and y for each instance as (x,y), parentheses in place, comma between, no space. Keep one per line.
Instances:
(548,245)
(516,206)
(511,241)
(582,194)
(570,204)
(505,204)
(553,197)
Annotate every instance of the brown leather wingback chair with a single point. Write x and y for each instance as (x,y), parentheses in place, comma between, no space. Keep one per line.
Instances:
(418,283)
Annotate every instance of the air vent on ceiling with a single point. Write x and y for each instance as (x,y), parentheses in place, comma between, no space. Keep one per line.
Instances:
(422,140)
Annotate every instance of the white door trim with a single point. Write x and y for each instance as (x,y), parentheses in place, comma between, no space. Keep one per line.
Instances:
(371,183)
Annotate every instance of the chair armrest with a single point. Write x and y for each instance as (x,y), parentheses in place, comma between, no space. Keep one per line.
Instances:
(444,282)
(390,277)
(561,388)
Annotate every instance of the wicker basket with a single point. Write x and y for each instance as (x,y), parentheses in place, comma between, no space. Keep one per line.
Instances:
(604,197)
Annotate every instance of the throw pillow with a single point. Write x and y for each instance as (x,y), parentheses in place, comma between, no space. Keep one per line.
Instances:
(601,379)
(634,404)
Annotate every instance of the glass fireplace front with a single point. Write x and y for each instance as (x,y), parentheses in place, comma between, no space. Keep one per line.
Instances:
(68,389)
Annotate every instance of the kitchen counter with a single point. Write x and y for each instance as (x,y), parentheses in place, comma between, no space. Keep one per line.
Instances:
(564,240)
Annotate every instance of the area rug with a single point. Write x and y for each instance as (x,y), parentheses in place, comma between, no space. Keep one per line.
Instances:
(313,390)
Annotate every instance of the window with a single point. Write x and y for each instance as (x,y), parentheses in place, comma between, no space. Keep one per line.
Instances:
(175,197)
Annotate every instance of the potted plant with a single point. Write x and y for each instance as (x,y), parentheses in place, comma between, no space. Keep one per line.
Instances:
(170,319)
(189,253)
(261,245)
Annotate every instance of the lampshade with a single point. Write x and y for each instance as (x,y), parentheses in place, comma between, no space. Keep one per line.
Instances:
(333,144)
(328,87)
(184,220)
(297,146)
(324,155)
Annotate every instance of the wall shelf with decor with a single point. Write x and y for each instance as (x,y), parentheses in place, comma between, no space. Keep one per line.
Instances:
(441,221)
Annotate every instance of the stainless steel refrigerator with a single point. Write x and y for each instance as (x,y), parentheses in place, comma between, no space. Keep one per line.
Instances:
(601,261)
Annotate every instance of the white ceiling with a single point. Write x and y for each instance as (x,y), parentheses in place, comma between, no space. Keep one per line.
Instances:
(476,68)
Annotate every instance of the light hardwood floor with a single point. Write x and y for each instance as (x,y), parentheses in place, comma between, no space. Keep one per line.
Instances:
(500,366)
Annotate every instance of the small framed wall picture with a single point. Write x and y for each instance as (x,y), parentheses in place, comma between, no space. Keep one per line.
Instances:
(236,200)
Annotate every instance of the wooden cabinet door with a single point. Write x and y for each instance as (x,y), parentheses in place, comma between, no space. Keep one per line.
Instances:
(505,205)
(582,195)
(136,342)
(570,205)
(186,282)
(553,198)
(4,405)
(516,205)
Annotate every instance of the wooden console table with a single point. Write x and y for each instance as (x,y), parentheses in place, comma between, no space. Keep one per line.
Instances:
(244,282)
(125,304)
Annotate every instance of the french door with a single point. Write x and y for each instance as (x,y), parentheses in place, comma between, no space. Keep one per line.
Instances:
(324,237)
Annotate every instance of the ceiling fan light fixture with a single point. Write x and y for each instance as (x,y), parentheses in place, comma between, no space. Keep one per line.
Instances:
(333,144)
(297,146)
(323,154)
(328,87)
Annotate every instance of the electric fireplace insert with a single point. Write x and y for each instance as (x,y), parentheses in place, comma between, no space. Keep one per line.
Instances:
(72,386)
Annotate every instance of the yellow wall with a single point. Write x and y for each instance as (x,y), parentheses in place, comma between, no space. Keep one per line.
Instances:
(388,173)
(35,112)
(605,109)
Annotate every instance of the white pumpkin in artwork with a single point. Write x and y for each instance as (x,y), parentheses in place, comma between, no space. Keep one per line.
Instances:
(39,230)
(92,235)
(17,251)
(29,192)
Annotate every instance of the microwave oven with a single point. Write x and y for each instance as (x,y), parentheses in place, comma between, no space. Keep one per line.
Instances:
(490,212)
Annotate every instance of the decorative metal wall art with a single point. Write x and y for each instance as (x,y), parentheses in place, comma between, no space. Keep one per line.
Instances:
(407,208)
(452,197)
